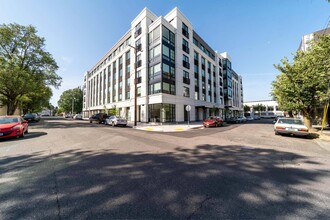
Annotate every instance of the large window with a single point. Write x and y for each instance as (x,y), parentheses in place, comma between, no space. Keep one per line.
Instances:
(155,88)
(161,112)
(168,36)
(154,35)
(155,72)
(154,52)
(168,54)
(168,71)
(168,88)
(185,30)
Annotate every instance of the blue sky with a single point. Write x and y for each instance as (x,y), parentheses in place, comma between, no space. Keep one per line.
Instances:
(257,34)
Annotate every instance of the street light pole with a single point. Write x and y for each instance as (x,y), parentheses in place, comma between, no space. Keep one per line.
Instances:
(135,85)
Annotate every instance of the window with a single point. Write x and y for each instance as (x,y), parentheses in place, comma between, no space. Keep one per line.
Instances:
(196,95)
(139,61)
(186,92)
(185,46)
(138,91)
(138,30)
(168,71)
(155,72)
(185,74)
(195,41)
(195,55)
(154,88)
(168,54)
(138,45)
(168,88)
(185,30)
(154,35)
(154,52)
(168,36)
(185,61)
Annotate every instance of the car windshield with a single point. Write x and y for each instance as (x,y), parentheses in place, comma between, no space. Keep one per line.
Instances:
(8,120)
(290,121)
(29,115)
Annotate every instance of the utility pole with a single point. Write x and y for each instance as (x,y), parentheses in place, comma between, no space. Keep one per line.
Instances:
(135,85)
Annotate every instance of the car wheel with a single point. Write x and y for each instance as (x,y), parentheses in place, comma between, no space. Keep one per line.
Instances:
(27,131)
(113,124)
(276,133)
(124,125)
(22,135)
(106,122)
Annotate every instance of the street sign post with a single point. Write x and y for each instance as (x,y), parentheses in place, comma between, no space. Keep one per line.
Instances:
(188,108)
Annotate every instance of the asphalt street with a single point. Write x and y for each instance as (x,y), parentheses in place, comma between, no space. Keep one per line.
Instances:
(66,169)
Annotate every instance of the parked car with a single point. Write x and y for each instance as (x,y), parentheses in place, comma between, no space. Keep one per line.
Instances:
(78,116)
(213,121)
(256,117)
(115,121)
(249,118)
(13,126)
(67,116)
(32,117)
(232,120)
(241,119)
(293,126)
(99,118)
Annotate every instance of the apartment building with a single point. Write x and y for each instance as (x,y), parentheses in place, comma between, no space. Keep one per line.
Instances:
(175,68)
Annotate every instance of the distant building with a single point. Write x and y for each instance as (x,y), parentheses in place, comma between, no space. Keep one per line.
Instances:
(306,39)
(271,106)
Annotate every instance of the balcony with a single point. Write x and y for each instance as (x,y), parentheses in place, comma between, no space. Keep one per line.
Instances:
(186,80)
(186,64)
(137,32)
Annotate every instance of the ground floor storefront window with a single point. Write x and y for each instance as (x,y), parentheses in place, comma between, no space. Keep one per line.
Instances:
(162,112)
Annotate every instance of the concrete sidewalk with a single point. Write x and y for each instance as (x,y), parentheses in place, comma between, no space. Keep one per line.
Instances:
(158,127)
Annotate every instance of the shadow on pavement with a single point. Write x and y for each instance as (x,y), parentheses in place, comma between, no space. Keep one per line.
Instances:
(30,135)
(206,182)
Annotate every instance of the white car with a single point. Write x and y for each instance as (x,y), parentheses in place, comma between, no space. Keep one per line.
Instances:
(115,120)
(78,116)
(293,126)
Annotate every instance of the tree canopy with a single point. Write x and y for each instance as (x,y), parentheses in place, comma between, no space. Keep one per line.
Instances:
(68,97)
(26,68)
(304,84)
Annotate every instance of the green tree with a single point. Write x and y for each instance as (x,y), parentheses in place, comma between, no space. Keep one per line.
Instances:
(246,108)
(68,97)
(259,108)
(304,84)
(24,64)
(36,100)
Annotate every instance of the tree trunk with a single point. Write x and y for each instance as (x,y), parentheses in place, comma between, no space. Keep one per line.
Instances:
(11,107)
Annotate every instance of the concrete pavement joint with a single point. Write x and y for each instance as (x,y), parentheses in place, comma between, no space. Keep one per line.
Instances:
(199,208)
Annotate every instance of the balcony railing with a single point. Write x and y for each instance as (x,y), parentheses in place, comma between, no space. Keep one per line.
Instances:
(186,64)
(137,32)
(186,80)
(185,48)
(185,33)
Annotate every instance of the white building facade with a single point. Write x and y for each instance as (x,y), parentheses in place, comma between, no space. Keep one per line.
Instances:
(175,68)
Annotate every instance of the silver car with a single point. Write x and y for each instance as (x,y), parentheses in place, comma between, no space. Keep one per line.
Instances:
(293,126)
(115,120)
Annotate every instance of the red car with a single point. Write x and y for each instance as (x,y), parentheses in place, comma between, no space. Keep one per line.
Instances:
(13,126)
(213,121)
